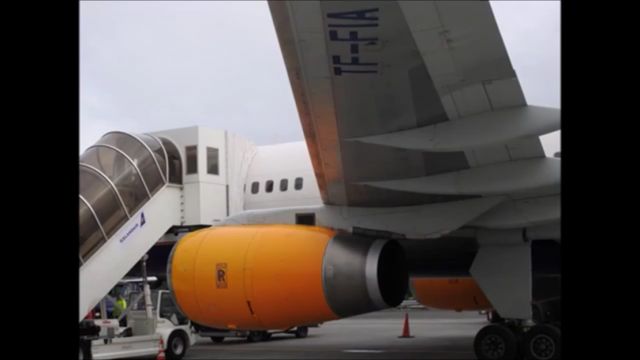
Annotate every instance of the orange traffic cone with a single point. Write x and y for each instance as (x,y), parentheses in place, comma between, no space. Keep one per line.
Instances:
(405,329)
(161,355)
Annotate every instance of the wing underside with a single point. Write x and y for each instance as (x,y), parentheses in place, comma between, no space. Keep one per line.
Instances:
(412,103)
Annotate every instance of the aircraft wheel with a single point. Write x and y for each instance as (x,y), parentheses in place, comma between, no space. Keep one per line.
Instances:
(217,339)
(255,336)
(542,342)
(496,342)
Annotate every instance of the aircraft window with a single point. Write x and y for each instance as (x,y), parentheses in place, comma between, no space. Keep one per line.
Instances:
(212,161)
(268,186)
(298,184)
(284,183)
(255,187)
(192,159)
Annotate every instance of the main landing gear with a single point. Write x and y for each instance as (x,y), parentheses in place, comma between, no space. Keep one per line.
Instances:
(506,339)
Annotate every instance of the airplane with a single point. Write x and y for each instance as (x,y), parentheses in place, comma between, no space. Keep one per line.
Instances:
(422,170)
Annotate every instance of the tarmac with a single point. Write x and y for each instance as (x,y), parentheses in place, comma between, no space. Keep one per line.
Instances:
(436,335)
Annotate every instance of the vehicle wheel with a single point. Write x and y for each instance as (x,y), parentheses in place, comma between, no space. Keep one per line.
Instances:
(302,331)
(255,336)
(217,339)
(496,342)
(542,342)
(176,346)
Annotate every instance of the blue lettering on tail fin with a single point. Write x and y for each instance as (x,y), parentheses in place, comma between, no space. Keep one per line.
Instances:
(354,19)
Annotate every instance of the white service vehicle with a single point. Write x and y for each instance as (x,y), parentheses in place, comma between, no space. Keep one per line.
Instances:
(150,322)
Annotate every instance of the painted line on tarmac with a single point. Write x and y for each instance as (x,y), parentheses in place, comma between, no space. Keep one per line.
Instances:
(199,349)
(418,321)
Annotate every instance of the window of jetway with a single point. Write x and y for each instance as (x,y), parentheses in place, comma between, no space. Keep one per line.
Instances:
(192,159)
(213,161)
(118,175)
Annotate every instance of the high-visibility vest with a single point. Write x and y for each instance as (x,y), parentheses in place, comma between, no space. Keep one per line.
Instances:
(119,307)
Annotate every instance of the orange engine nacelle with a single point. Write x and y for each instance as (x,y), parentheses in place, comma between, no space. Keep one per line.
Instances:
(260,277)
(450,293)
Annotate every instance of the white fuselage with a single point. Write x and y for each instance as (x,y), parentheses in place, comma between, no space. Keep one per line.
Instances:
(276,163)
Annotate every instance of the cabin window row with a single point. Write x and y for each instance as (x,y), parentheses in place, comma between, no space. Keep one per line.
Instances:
(284,185)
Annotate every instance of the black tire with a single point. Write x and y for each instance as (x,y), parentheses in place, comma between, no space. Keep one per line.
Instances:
(256,336)
(543,342)
(217,339)
(496,342)
(302,332)
(176,346)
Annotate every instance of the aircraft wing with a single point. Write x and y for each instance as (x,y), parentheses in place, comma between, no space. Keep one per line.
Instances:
(406,103)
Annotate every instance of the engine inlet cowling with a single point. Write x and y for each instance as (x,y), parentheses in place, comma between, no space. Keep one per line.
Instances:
(279,276)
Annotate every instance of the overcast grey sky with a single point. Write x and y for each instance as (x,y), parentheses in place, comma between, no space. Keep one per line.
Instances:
(148,66)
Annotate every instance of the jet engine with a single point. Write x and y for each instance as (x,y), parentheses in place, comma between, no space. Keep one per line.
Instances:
(259,277)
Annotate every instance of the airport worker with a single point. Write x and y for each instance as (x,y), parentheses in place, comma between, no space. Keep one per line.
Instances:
(119,306)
